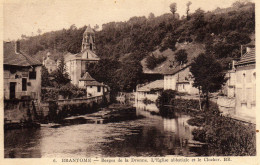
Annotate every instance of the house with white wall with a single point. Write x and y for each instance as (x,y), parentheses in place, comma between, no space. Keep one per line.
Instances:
(180,79)
(149,91)
(93,88)
(245,86)
(22,74)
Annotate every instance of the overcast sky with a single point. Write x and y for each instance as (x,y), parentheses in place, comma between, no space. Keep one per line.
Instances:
(26,17)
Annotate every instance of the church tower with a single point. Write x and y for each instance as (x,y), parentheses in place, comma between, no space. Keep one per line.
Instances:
(88,42)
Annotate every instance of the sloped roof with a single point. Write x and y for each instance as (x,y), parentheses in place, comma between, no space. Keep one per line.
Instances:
(87,55)
(176,69)
(17,59)
(84,55)
(87,77)
(158,84)
(89,81)
(247,58)
(89,30)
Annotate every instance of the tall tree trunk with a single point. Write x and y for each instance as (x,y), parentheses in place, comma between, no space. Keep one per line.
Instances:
(199,99)
(207,101)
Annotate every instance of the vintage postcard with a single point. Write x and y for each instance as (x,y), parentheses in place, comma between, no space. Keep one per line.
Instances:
(120,81)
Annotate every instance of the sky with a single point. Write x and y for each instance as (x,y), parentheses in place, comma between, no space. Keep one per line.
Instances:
(27,16)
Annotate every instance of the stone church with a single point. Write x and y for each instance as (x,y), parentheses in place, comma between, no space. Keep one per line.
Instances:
(76,64)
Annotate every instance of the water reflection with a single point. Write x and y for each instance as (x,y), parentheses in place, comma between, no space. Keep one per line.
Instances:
(152,135)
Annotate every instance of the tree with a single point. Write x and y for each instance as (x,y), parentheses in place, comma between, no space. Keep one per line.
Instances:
(181,56)
(61,77)
(188,9)
(45,77)
(208,75)
(129,75)
(151,16)
(173,8)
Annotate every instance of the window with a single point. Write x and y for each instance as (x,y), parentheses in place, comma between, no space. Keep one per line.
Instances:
(24,84)
(32,75)
(99,89)
(90,86)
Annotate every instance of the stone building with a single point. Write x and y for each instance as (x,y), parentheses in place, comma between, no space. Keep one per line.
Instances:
(76,64)
(149,91)
(49,63)
(92,87)
(22,74)
(245,87)
(179,79)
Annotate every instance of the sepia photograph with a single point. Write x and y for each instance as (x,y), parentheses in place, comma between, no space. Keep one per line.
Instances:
(121,78)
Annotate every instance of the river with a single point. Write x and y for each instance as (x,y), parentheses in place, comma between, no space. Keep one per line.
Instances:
(146,134)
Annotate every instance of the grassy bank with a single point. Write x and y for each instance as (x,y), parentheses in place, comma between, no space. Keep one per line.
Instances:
(224,136)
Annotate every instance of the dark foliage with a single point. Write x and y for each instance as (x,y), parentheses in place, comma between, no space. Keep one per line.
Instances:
(167,97)
(152,61)
(208,74)
(181,56)
(221,32)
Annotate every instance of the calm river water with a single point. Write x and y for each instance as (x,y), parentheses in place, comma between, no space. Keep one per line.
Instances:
(151,135)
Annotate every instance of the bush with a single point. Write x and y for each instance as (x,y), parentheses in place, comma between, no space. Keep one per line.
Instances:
(196,121)
(227,137)
(167,97)
(49,94)
(152,61)
(199,135)
(181,56)
(71,91)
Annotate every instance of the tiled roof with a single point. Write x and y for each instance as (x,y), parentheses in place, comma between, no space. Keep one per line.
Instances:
(176,69)
(85,55)
(247,58)
(87,77)
(17,59)
(93,83)
(158,84)
(89,81)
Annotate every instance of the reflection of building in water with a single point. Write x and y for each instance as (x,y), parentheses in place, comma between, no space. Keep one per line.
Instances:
(182,133)
(177,132)
(149,91)
(146,107)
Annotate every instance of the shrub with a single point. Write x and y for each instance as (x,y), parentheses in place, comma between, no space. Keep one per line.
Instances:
(227,137)
(181,56)
(152,61)
(71,91)
(196,121)
(49,94)
(167,97)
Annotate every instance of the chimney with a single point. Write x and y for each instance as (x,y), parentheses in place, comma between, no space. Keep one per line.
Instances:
(17,47)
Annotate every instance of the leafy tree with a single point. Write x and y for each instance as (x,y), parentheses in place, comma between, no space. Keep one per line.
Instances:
(208,75)
(129,75)
(173,8)
(45,77)
(61,77)
(152,61)
(181,56)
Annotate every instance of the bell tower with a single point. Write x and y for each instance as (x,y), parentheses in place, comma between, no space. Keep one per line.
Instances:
(88,41)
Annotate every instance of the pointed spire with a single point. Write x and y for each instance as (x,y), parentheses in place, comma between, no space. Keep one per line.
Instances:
(89,29)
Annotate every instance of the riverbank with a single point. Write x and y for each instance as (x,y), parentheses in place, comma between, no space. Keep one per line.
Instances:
(223,135)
